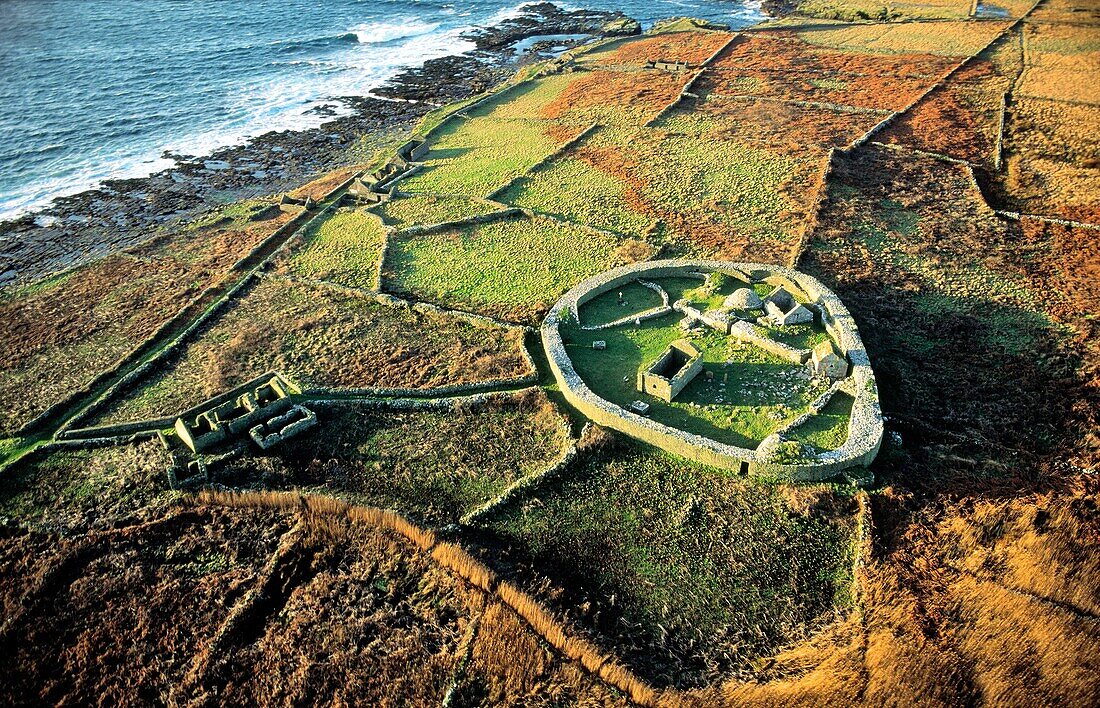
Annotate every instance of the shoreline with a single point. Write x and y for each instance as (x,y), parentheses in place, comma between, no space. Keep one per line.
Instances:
(119,213)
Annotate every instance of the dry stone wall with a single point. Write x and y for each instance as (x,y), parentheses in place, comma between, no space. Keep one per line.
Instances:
(865,427)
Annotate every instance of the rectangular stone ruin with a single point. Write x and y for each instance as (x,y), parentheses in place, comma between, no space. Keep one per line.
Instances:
(223,418)
(828,361)
(295,421)
(677,366)
(784,309)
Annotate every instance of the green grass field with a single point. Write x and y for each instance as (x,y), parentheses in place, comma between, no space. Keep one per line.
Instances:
(430,209)
(574,190)
(519,263)
(828,429)
(471,158)
(343,249)
(698,563)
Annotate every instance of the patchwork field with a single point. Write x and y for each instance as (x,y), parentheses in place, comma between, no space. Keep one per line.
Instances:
(511,269)
(435,465)
(58,334)
(322,337)
(490,546)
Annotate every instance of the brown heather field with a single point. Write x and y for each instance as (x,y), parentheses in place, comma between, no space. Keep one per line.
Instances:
(335,569)
(57,335)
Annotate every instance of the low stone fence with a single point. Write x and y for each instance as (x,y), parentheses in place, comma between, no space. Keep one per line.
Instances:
(746,331)
(865,427)
(504,214)
(176,342)
(652,313)
(820,194)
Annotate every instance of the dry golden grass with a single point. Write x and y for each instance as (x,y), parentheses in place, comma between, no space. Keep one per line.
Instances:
(464,565)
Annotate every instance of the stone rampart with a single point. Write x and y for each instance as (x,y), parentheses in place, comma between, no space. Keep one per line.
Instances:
(865,427)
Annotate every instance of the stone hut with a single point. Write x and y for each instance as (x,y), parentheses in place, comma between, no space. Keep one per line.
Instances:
(672,371)
(223,419)
(827,360)
(743,299)
(782,307)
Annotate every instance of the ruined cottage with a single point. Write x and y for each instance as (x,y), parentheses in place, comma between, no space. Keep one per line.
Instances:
(667,376)
(784,309)
(828,361)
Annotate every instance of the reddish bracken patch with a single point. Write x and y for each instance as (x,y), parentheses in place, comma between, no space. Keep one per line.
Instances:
(692,47)
(647,91)
(786,68)
(947,122)
(319,188)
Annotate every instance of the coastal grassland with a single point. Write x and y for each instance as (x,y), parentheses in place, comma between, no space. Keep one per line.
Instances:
(615,97)
(320,336)
(1051,159)
(573,189)
(724,195)
(515,268)
(432,465)
(87,488)
(473,157)
(687,571)
(950,39)
(751,392)
(431,209)
(344,249)
(526,101)
(57,335)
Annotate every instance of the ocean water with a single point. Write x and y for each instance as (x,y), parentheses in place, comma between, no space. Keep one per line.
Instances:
(98,89)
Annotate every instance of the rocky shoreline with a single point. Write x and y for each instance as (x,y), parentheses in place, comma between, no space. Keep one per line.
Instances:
(120,213)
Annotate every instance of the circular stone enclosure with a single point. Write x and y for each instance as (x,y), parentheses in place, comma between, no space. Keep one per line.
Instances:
(766,459)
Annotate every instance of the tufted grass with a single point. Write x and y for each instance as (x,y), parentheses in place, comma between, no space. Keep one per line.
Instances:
(683,565)
(343,249)
(520,265)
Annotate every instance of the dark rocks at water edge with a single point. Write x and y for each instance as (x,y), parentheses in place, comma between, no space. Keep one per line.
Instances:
(120,213)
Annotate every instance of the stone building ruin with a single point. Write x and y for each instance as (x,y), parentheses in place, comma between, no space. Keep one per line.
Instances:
(783,309)
(674,369)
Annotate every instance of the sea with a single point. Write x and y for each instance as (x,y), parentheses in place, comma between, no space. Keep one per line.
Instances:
(100,89)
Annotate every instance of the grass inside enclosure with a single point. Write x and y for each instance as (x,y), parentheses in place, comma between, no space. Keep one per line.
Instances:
(323,337)
(828,429)
(751,392)
(609,307)
(515,268)
(343,249)
(471,158)
(690,571)
(434,465)
(573,189)
(431,209)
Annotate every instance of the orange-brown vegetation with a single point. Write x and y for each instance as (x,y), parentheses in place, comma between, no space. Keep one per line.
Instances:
(319,188)
(783,67)
(959,119)
(788,128)
(692,47)
(643,92)
(57,337)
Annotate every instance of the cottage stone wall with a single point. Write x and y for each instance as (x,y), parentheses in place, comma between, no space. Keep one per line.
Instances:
(865,426)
